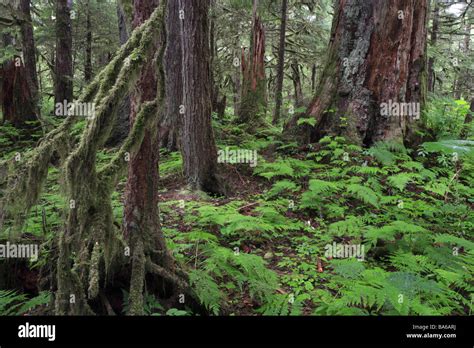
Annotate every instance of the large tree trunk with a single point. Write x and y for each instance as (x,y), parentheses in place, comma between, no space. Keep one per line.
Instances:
(377,55)
(254,99)
(281,63)
(198,146)
(171,127)
(141,224)
(63,87)
(16,97)
(433,41)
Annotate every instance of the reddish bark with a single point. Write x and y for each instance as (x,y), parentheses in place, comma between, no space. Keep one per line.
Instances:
(141,213)
(377,53)
(253,98)
(16,98)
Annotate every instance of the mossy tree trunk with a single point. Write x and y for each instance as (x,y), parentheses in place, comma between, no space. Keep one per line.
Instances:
(377,54)
(253,102)
(198,144)
(122,124)
(141,214)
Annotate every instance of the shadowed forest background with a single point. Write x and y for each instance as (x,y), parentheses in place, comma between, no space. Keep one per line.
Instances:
(236,157)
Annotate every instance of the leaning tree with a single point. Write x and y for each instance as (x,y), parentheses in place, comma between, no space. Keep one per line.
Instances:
(377,54)
(91,251)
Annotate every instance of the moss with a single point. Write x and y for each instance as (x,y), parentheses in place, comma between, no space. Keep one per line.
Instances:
(90,223)
(137,280)
(93,290)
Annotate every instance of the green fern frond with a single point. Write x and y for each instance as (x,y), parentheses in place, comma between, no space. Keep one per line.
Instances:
(363,193)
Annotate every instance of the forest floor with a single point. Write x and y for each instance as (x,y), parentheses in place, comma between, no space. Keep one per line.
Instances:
(401,223)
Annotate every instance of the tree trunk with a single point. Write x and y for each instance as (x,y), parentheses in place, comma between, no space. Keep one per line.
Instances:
(281,63)
(376,58)
(212,57)
(141,224)
(16,98)
(29,53)
(88,62)
(122,125)
(299,98)
(63,89)
(464,81)
(433,41)
(468,121)
(313,78)
(198,146)
(254,100)
(237,85)
(171,127)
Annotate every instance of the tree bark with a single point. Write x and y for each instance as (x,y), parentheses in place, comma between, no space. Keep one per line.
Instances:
(313,78)
(63,89)
(377,55)
(122,125)
(16,97)
(141,224)
(237,85)
(29,53)
(171,127)
(198,145)
(433,41)
(468,121)
(254,99)
(464,85)
(281,63)
(88,62)
(298,89)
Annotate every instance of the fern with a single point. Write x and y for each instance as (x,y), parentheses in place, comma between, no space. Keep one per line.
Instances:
(242,269)
(12,303)
(408,262)
(400,181)
(279,168)
(453,240)
(206,289)
(316,191)
(389,231)
(283,186)
(363,193)
(350,227)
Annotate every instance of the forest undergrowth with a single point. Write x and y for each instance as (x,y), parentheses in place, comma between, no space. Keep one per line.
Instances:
(399,221)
